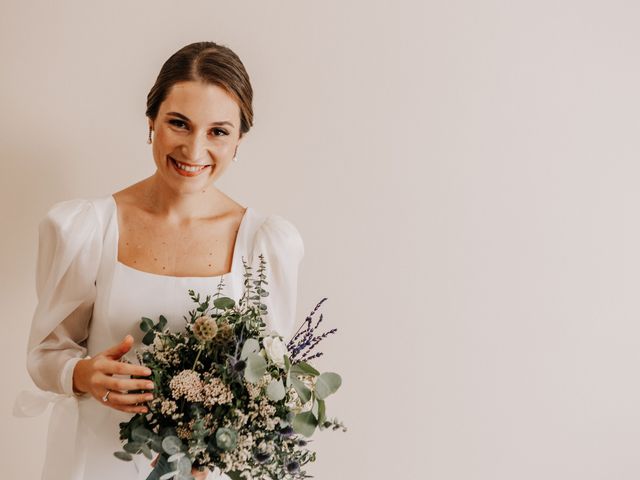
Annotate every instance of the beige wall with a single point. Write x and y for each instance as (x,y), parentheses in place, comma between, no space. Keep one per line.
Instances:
(464,174)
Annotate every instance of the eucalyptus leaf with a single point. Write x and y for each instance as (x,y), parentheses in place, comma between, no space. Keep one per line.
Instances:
(224,303)
(304,423)
(146,324)
(132,447)
(251,345)
(123,456)
(326,384)
(162,323)
(169,475)
(275,390)
(172,445)
(287,363)
(303,368)
(156,443)
(301,389)
(146,451)
(141,434)
(322,416)
(184,465)
(176,456)
(256,367)
(148,338)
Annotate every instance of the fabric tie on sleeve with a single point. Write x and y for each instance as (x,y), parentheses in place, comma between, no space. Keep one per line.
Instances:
(63,426)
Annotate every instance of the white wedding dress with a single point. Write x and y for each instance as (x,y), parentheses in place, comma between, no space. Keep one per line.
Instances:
(88,301)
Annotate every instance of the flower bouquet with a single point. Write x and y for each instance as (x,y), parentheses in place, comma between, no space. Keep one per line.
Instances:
(228,393)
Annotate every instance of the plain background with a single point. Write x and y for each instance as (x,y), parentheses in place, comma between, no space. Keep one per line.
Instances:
(464,174)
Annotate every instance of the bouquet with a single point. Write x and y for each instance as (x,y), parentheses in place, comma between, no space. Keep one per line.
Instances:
(228,393)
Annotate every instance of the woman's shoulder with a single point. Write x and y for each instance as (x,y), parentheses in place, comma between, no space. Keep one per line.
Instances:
(65,216)
(276,232)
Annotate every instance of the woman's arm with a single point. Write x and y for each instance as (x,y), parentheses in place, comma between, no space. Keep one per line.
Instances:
(282,247)
(69,252)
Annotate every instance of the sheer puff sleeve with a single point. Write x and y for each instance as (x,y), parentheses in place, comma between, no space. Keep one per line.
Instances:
(69,251)
(282,248)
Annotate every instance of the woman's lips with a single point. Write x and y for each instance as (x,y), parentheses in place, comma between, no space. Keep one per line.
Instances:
(186,173)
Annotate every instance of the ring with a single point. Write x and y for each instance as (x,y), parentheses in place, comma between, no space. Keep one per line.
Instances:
(106,396)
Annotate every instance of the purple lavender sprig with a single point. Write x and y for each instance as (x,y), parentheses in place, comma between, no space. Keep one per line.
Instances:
(304,341)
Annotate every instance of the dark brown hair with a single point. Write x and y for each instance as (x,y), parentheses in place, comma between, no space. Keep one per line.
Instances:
(210,63)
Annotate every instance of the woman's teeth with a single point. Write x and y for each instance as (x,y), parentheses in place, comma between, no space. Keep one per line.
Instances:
(187,168)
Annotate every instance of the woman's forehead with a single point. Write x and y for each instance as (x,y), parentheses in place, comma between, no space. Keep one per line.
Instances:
(199,101)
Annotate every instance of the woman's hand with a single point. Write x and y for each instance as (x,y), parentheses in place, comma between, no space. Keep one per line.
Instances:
(95,376)
(197,474)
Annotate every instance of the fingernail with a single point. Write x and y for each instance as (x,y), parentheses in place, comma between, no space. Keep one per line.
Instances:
(147,371)
(150,385)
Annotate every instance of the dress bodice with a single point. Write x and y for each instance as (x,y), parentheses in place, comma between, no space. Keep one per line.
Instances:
(88,301)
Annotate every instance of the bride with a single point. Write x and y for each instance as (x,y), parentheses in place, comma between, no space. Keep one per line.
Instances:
(106,261)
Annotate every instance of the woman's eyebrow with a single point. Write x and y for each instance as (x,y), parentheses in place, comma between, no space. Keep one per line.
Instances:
(184,117)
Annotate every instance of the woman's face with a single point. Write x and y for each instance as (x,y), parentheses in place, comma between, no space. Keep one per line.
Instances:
(197,125)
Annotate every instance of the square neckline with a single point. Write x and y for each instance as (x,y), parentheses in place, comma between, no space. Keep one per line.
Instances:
(127,267)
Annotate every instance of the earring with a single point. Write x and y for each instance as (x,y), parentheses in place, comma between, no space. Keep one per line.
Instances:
(149,140)
(235,158)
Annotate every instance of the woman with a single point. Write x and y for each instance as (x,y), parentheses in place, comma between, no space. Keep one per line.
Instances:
(105,262)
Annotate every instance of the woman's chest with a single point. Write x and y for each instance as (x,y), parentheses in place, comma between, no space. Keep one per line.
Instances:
(202,249)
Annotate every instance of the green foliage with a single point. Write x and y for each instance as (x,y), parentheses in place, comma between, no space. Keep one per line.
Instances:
(123,456)
(301,389)
(326,384)
(303,368)
(251,345)
(147,325)
(256,367)
(171,445)
(224,303)
(233,355)
(226,439)
(275,390)
(305,423)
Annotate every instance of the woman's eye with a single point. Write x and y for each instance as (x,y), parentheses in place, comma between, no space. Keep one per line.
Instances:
(217,131)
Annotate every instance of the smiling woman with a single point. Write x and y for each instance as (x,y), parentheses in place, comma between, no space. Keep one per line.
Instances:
(105,262)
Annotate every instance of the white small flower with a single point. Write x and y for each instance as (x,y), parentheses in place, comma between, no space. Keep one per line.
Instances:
(158,344)
(275,349)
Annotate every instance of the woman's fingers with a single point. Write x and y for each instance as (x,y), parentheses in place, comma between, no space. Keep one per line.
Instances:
(114,367)
(126,402)
(120,349)
(129,398)
(126,384)
(107,368)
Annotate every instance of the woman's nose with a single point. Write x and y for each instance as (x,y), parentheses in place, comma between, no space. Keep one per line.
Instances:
(194,148)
